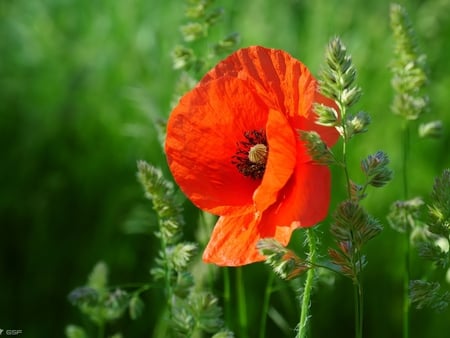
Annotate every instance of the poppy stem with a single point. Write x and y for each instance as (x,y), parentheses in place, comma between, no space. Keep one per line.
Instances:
(265,307)
(306,297)
(242,308)
(227,295)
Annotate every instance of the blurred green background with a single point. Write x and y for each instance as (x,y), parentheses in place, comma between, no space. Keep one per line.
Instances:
(81,83)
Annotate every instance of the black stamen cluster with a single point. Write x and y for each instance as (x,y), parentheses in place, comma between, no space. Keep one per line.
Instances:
(240,158)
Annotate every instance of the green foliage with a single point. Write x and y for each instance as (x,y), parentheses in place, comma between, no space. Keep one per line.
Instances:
(408,68)
(98,302)
(352,226)
(190,310)
(73,331)
(375,168)
(428,294)
(439,209)
(136,307)
(201,17)
(338,79)
(406,214)
(434,247)
(86,87)
(284,262)
(161,193)
(316,148)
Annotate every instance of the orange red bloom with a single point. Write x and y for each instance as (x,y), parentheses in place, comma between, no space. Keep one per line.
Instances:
(233,148)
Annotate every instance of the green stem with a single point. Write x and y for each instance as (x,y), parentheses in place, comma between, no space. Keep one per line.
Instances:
(344,160)
(168,273)
(357,259)
(242,313)
(265,307)
(345,138)
(359,312)
(227,295)
(101,330)
(305,305)
(406,274)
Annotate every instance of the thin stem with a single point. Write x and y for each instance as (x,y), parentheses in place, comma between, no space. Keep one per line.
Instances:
(305,304)
(242,312)
(101,330)
(265,307)
(357,261)
(168,273)
(227,295)
(359,309)
(347,176)
(358,294)
(406,274)
(344,151)
(405,158)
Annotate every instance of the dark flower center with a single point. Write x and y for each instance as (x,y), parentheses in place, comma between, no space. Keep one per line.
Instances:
(251,154)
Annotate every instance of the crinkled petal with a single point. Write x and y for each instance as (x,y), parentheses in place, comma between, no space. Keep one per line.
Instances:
(233,241)
(304,201)
(202,136)
(274,74)
(280,163)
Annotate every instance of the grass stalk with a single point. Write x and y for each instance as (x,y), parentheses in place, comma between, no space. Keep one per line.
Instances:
(406,245)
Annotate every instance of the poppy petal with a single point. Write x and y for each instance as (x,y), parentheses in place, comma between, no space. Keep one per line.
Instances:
(304,201)
(280,163)
(275,75)
(202,134)
(233,241)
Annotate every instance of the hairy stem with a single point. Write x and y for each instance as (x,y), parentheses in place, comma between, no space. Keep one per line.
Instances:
(305,304)
(168,273)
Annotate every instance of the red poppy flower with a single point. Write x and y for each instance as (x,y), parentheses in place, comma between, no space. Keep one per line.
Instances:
(233,148)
